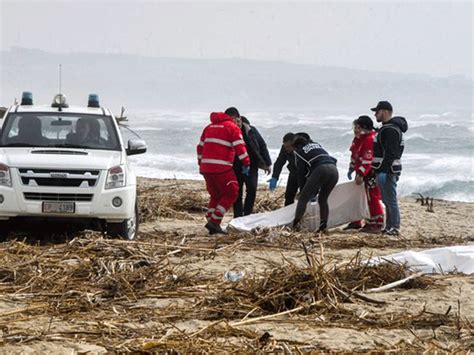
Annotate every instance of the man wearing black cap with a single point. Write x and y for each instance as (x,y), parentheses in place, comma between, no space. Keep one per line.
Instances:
(388,150)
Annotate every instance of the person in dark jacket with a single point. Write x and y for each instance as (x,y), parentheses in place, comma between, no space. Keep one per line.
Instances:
(388,150)
(287,156)
(259,159)
(317,174)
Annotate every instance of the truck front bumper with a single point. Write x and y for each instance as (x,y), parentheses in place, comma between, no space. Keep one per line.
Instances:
(15,204)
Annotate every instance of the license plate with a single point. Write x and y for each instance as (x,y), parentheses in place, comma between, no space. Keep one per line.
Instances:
(59,207)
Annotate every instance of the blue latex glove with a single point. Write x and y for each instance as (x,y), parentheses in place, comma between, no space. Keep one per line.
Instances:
(272,184)
(382,178)
(349,173)
(246,170)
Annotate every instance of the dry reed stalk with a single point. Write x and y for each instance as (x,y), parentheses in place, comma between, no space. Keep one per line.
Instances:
(108,289)
(268,201)
(288,288)
(171,202)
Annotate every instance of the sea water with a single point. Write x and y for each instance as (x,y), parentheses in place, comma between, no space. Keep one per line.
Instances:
(437,162)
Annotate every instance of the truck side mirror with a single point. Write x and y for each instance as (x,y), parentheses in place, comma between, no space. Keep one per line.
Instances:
(136,146)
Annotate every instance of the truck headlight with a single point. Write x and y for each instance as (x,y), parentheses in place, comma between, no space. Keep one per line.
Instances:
(115,177)
(5,177)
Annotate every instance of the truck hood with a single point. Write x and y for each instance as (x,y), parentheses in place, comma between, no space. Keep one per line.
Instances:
(54,158)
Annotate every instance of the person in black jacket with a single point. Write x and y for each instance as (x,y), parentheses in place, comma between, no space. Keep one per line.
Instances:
(388,150)
(259,158)
(286,156)
(317,174)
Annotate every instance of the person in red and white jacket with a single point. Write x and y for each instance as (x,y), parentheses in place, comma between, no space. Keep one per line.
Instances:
(354,148)
(362,151)
(220,142)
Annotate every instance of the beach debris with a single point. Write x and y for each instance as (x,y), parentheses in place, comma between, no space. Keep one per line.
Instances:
(234,276)
(268,201)
(425,201)
(153,294)
(170,200)
(263,340)
(106,289)
(420,199)
(429,205)
(394,284)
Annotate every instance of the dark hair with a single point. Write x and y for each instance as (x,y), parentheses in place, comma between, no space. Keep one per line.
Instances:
(300,142)
(365,122)
(245,120)
(288,138)
(304,135)
(232,112)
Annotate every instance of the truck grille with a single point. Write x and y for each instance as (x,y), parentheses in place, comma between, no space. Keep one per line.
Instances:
(66,178)
(42,196)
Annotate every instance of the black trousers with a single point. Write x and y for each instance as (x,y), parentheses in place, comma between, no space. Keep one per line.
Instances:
(322,179)
(242,208)
(291,188)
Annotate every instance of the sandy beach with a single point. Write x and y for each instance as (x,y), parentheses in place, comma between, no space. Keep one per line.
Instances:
(84,293)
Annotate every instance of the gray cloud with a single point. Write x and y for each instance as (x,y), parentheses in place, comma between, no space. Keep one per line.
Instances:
(423,37)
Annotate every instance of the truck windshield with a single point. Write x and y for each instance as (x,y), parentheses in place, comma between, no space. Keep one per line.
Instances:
(68,130)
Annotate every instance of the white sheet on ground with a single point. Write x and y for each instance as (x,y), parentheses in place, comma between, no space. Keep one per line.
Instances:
(458,258)
(347,202)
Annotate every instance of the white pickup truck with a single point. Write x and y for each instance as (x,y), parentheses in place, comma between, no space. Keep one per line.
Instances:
(67,163)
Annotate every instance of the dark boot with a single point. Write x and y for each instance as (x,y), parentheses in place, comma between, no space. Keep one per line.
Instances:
(371,229)
(352,225)
(323,228)
(214,228)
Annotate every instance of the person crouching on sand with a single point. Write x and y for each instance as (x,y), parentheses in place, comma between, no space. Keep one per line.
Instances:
(220,142)
(314,164)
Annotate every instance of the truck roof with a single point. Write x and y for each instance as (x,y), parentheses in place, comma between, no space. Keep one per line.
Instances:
(102,111)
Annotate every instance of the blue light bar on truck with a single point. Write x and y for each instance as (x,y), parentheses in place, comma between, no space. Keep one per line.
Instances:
(93,101)
(27,98)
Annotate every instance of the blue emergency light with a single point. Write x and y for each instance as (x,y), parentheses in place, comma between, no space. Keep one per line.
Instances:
(93,100)
(27,98)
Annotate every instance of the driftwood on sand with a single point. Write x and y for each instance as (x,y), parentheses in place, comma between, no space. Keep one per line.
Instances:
(162,293)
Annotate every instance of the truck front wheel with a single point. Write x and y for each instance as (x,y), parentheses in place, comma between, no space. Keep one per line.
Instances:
(127,229)
(4,230)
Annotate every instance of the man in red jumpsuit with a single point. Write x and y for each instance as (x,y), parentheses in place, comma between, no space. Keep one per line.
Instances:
(361,162)
(220,142)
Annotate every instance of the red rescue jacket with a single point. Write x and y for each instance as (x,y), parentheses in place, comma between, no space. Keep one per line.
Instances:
(220,142)
(354,148)
(362,149)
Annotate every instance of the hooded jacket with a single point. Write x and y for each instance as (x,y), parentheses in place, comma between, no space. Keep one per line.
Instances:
(220,142)
(282,159)
(354,148)
(362,153)
(308,158)
(256,148)
(389,146)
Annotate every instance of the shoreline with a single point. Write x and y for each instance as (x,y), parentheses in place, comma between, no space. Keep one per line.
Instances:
(263,187)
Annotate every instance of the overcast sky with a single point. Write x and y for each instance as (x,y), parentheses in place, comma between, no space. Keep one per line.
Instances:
(422,37)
